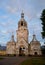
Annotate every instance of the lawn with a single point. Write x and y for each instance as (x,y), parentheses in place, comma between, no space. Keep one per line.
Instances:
(1,58)
(34,61)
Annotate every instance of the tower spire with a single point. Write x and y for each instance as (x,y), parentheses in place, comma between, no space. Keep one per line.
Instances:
(34,37)
(12,37)
(22,14)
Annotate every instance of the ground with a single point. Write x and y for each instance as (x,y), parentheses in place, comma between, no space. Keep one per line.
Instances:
(34,61)
(22,60)
(12,60)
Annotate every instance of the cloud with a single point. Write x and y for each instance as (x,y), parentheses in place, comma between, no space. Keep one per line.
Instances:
(2,24)
(2,43)
(4,16)
(31,8)
(11,9)
(9,22)
(3,31)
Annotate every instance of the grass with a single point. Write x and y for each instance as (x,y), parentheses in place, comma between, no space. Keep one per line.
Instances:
(34,61)
(1,58)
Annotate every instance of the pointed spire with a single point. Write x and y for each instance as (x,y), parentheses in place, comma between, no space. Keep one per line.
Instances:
(22,14)
(34,38)
(12,38)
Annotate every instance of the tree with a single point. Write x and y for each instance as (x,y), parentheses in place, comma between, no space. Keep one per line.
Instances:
(43,49)
(43,23)
(43,29)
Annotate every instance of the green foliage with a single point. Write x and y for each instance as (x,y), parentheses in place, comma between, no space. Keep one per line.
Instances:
(43,23)
(43,50)
(34,61)
(1,58)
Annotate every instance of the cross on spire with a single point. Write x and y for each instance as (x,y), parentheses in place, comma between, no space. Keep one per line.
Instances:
(34,37)
(12,38)
(22,14)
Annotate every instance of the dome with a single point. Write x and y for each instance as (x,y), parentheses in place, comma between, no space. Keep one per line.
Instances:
(34,41)
(22,21)
(12,42)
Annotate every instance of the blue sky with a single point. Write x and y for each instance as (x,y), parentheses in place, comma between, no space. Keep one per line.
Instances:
(10,14)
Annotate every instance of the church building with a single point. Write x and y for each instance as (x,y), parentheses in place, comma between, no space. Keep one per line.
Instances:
(22,46)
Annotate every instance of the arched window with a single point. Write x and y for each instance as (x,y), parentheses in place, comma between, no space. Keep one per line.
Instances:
(22,23)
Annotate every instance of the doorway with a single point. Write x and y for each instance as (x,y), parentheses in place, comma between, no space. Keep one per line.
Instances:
(35,53)
(21,51)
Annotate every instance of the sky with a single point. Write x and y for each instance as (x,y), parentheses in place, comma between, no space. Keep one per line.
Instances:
(10,14)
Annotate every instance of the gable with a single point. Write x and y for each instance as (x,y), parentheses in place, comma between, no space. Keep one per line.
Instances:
(22,42)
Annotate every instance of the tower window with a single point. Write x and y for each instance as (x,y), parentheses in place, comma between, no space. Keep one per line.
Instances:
(21,23)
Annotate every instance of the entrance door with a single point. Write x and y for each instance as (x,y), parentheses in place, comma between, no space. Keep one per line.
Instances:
(21,51)
(35,53)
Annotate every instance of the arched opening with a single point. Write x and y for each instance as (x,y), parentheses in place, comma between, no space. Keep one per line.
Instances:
(22,23)
(35,53)
(21,51)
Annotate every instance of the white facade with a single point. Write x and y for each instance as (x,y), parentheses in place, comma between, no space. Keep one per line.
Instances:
(35,47)
(22,37)
(11,47)
(21,46)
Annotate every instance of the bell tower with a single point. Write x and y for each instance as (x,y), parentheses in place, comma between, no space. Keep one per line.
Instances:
(22,23)
(22,36)
(22,31)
